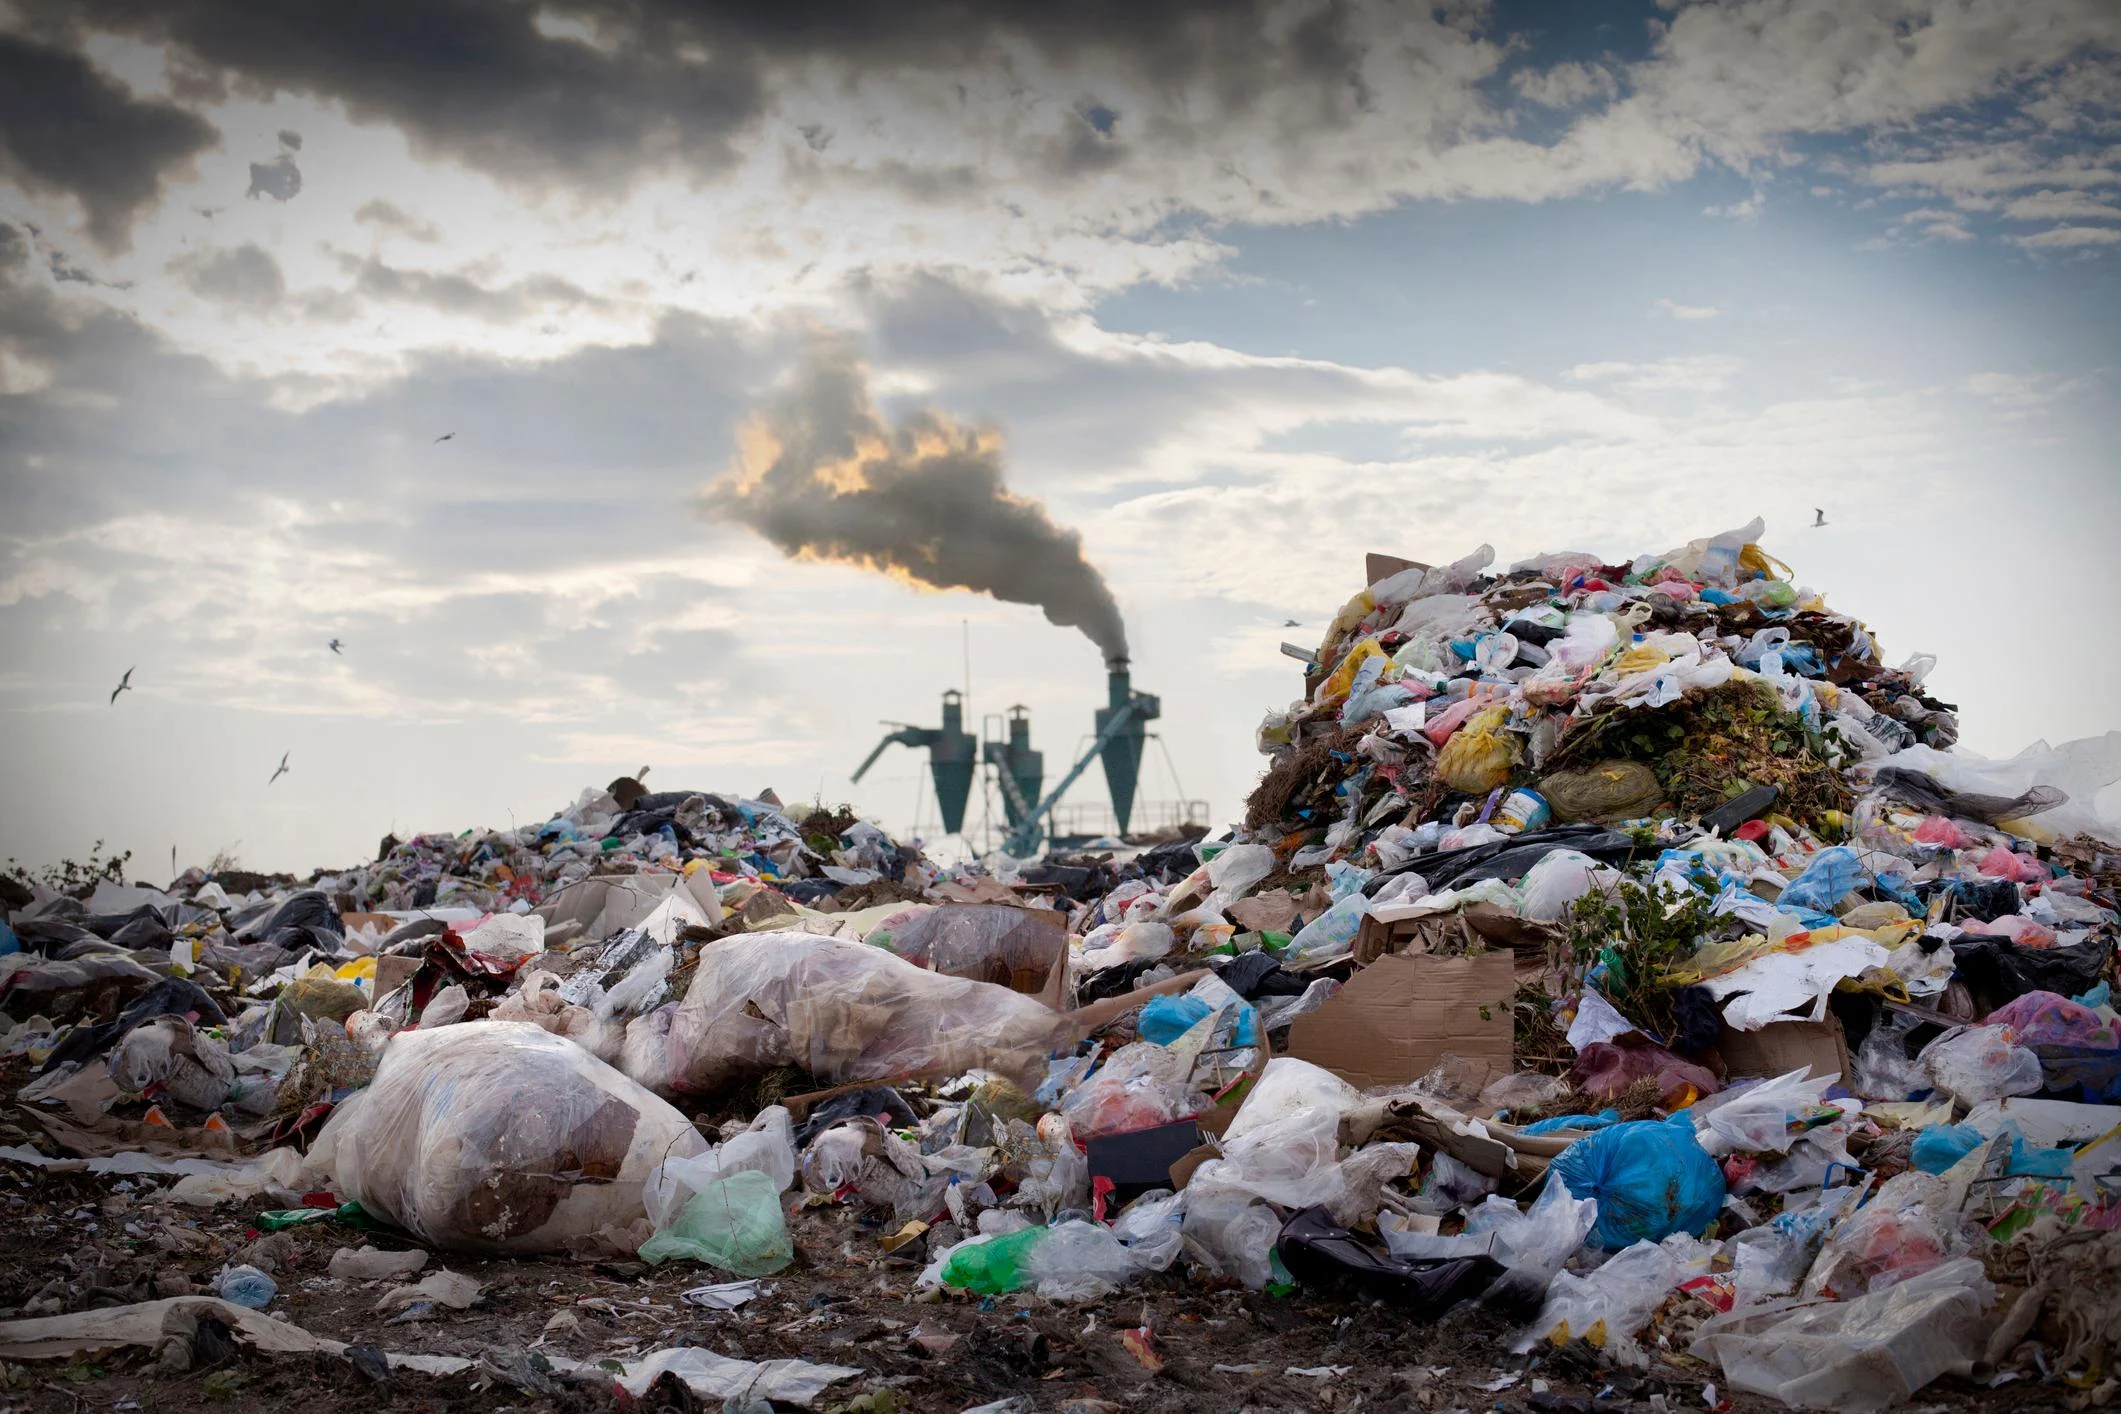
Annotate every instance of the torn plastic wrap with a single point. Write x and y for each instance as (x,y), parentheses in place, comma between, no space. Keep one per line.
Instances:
(842,1011)
(498,1136)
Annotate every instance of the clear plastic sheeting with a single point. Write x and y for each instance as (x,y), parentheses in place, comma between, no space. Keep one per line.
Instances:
(498,1136)
(1856,1355)
(842,1011)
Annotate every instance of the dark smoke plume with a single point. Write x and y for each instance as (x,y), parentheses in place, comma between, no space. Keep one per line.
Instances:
(819,474)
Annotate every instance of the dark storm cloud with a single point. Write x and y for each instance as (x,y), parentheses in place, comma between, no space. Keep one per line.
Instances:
(14,250)
(247,277)
(663,82)
(67,128)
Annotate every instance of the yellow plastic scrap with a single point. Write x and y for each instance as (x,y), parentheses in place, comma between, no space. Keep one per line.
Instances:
(1342,679)
(1479,755)
(1716,959)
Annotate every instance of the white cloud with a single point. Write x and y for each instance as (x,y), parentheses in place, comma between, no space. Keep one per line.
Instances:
(1675,310)
(1739,210)
(1697,373)
(2070,238)
(1565,85)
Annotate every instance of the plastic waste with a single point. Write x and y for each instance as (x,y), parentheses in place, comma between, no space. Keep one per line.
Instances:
(1554,884)
(1649,1179)
(1858,1355)
(992,1266)
(1152,1229)
(1078,1261)
(1234,1231)
(1902,1232)
(1319,1252)
(1479,755)
(734,1223)
(2048,1019)
(1534,1243)
(1332,933)
(1939,1146)
(767,1146)
(1756,1120)
(245,1285)
(1606,792)
(1976,1063)
(1826,880)
(497,1136)
(1608,1306)
(842,1011)
(1771,1259)
(1883,1068)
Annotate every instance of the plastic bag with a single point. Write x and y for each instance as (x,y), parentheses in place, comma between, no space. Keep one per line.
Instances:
(497,1136)
(1884,1069)
(1608,1306)
(1320,1252)
(1905,1230)
(734,1223)
(1772,1258)
(1826,880)
(1140,1086)
(1608,791)
(1976,1063)
(1332,933)
(767,1146)
(1152,1229)
(1233,1230)
(2050,1019)
(1078,1261)
(834,1158)
(2084,771)
(991,1266)
(1757,1120)
(1532,1244)
(1479,755)
(1556,882)
(842,1011)
(1649,1179)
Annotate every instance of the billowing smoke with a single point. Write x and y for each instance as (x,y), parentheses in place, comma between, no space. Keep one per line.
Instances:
(820,474)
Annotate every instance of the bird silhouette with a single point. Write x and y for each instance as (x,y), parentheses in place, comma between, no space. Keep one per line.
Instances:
(1292,624)
(125,684)
(333,645)
(445,436)
(1819,517)
(283,767)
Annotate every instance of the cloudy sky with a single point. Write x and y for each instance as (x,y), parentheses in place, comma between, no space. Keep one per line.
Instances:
(1238,292)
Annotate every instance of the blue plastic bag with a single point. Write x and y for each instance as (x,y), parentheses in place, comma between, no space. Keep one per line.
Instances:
(1824,882)
(1939,1146)
(1165,1019)
(1650,1179)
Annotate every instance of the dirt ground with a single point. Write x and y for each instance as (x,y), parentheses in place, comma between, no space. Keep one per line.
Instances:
(78,1241)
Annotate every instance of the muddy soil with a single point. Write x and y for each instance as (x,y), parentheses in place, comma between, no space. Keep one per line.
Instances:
(71,1241)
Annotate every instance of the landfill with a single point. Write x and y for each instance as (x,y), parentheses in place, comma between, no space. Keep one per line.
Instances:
(1620,991)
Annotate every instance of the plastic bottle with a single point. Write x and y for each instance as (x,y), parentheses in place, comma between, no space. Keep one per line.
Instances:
(992,1268)
(246,1286)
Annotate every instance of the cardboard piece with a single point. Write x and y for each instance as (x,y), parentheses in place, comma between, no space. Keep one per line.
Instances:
(1376,567)
(1395,1019)
(1782,1046)
(1475,925)
(392,972)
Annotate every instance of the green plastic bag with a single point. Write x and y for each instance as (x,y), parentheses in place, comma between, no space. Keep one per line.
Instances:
(734,1223)
(992,1268)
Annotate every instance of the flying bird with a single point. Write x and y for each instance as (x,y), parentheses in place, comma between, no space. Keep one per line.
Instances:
(283,767)
(445,436)
(1818,517)
(333,645)
(125,684)
(1291,623)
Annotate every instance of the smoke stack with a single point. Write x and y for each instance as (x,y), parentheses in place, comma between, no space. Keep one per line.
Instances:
(820,474)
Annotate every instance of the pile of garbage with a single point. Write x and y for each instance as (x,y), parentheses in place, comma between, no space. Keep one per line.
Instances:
(1618,953)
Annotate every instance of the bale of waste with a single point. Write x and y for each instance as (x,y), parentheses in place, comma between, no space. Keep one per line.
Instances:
(842,1011)
(498,1136)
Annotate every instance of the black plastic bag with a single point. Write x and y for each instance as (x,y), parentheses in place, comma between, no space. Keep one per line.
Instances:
(1321,1253)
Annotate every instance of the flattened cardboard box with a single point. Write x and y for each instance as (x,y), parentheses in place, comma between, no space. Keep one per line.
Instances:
(1395,1019)
(1782,1046)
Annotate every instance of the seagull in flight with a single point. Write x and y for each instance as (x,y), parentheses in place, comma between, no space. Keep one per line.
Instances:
(445,436)
(1819,517)
(333,645)
(283,767)
(1292,624)
(125,684)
